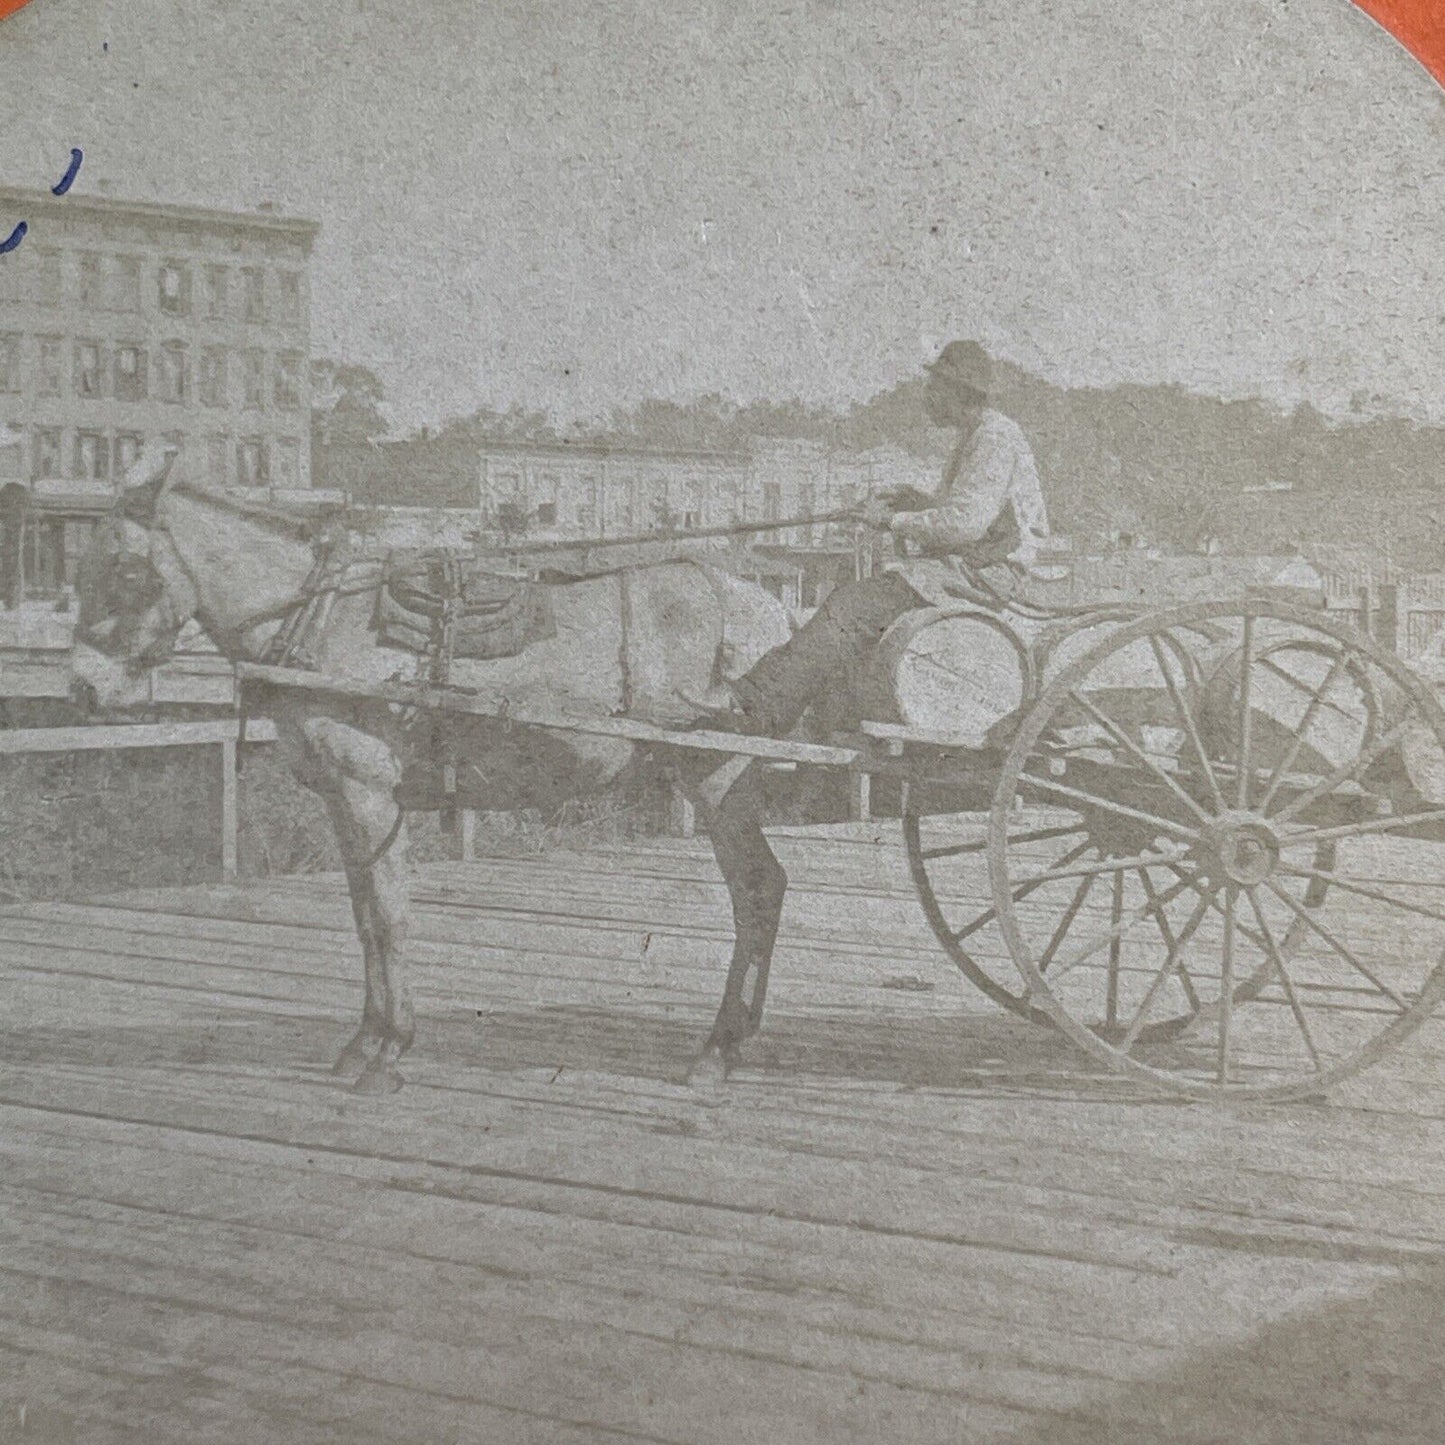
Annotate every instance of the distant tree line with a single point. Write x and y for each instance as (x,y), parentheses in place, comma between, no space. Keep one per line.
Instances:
(1177,468)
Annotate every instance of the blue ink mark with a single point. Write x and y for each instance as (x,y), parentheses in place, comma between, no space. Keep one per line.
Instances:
(68,179)
(14,239)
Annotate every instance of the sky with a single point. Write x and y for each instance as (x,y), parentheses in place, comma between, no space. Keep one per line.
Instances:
(571,207)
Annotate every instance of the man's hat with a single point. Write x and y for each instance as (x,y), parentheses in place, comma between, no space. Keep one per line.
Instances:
(963,363)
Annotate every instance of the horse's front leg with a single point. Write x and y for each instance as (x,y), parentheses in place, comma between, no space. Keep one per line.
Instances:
(365,816)
(355,772)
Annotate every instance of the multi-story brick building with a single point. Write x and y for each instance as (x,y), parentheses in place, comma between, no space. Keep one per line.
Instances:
(122,321)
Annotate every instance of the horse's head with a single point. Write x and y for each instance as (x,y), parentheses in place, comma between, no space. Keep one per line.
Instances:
(135,593)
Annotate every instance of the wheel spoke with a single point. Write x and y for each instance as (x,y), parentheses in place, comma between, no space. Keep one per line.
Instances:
(1137,753)
(1299,686)
(1109,865)
(977,845)
(1020,892)
(1346,772)
(1187,718)
(1369,827)
(1116,912)
(1162,919)
(1067,921)
(1119,930)
(1335,881)
(1306,722)
(1277,958)
(1195,882)
(1173,962)
(1226,978)
(1245,723)
(1335,944)
(1107,805)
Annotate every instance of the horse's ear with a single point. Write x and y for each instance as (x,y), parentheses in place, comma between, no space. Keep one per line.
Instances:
(150,477)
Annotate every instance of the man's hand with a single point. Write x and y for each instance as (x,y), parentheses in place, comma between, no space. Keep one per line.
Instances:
(876,512)
(907,499)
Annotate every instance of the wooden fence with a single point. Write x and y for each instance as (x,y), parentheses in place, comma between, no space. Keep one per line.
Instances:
(120,737)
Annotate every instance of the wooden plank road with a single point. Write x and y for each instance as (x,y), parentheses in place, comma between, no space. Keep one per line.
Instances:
(908,1218)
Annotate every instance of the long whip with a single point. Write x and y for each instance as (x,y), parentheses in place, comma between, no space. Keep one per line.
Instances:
(736,529)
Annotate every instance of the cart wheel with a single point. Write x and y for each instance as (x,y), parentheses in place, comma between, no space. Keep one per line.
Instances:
(1247,915)
(947,858)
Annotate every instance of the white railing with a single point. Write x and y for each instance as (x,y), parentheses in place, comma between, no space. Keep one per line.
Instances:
(120,736)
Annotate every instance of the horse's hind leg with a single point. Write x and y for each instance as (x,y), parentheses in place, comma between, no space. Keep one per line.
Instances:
(756,885)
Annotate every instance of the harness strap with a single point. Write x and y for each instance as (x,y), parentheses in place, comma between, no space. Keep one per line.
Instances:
(389,840)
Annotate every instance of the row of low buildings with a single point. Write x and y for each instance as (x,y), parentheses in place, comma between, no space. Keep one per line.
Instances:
(558,491)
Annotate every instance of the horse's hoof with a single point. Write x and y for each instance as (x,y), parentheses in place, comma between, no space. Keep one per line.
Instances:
(378,1079)
(350,1062)
(709,1071)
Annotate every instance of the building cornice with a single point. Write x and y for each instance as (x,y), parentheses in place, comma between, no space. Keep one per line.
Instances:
(604,451)
(27,204)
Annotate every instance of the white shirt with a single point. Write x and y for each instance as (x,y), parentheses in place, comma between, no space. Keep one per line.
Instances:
(991,476)
(990,479)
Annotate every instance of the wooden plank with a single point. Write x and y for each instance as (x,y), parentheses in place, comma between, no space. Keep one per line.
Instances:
(131,735)
(868,1236)
(459,700)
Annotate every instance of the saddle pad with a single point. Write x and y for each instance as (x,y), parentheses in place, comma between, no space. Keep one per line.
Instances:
(490,615)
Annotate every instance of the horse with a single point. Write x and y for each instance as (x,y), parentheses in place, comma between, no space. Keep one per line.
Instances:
(642,639)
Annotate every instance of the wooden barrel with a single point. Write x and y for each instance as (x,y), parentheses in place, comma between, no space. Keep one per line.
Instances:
(952,673)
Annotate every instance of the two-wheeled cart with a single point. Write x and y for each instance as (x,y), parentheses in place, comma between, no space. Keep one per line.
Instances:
(1200,827)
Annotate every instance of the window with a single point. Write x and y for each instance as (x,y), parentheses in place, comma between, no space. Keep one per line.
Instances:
(46,457)
(130,372)
(90,280)
(586,508)
(288,381)
(218,454)
(52,365)
(255,379)
(251,463)
(692,505)
(47,277)
(124,284)
(290,290)
(213,376)
(772,501)
(44,558)
(87,369)
(288,462)
(216,279)
(547,514)
(174,288)
(172,367)
(253,292)
(9,361)
(127,451)
(92,457)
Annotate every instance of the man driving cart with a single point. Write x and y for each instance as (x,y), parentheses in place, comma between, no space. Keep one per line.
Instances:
(975,539)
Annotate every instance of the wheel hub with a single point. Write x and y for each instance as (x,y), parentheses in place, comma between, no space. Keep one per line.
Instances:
(1240,847)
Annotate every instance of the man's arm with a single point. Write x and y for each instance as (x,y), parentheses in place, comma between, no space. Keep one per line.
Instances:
(972,505)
